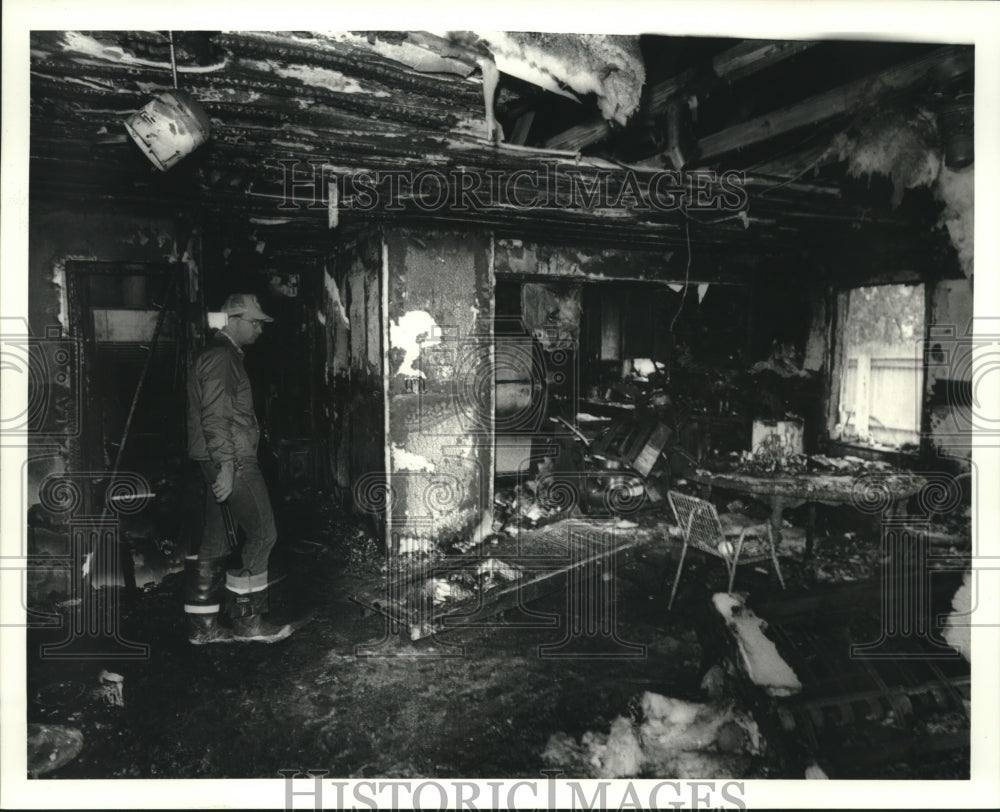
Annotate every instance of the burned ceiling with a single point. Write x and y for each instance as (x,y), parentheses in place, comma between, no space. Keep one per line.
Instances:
(612,110)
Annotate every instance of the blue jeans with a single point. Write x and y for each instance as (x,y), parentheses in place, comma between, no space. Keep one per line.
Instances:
(251,508)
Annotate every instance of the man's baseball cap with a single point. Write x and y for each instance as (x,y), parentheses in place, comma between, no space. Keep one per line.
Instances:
(245,305)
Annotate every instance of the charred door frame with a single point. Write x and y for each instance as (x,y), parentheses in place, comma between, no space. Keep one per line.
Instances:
(85,450)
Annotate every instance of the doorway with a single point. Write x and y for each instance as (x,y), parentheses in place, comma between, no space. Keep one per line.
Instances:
(129,320)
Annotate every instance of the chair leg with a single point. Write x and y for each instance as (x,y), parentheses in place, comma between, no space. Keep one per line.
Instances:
(777,568)
(736,560)
(677,578)
(774,558)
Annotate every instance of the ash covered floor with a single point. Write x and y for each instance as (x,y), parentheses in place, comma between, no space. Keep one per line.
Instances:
(475,702)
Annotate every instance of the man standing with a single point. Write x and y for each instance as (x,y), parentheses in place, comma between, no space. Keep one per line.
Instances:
(222,437)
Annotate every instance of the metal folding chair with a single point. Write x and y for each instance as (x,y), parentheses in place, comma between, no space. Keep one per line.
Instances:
(702,529)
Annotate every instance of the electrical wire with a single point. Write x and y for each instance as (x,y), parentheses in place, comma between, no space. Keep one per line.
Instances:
(687,274)
(173,59)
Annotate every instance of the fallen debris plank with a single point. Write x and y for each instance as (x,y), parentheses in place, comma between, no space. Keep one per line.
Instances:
(541,557)
(763,663)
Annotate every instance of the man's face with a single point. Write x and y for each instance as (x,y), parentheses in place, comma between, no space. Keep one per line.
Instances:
(246,331)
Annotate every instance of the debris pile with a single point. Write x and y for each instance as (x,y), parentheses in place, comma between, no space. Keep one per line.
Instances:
(784,361)
(663,737)
(51,747)
(465,584)
(775,457)
(65,709)
(522,506)
(846,558)
(110,689)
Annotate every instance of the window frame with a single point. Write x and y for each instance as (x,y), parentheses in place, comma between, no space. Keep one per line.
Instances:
(838,361)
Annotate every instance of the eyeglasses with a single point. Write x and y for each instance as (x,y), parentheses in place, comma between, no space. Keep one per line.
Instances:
(251,322)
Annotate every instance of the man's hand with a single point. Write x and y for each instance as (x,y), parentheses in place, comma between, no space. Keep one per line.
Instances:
(223,485)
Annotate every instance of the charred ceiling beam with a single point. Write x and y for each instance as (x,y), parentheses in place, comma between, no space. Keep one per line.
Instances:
(359,55)
(252,162)
(732,64)
(772,232)
(339,77)
(951,60)
(752,56)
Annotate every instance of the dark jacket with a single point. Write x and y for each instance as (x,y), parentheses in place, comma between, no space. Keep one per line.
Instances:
(221,422)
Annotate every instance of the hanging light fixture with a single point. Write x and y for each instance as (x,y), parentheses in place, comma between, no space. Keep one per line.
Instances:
(171,126)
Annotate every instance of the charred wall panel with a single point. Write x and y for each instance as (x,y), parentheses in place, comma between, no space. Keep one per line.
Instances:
(353,318)
(949,381)
(522,258)
(440,386)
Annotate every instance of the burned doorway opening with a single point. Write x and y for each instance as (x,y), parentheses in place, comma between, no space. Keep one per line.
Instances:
(602,383)
(116,311)
(129,320)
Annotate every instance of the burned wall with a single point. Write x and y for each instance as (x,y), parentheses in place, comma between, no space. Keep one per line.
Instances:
(949,381)
(523,258)
(440,386)
(58,237)
(353,377)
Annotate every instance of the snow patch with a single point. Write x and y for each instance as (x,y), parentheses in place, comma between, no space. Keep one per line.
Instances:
(761,659)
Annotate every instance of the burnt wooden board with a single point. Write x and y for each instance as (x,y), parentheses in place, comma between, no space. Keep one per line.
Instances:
(542,556)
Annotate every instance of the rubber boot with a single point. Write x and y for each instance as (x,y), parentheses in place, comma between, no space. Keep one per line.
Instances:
(202,592)
(247,609)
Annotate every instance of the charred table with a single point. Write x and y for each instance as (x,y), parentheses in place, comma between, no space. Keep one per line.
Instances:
(874,492)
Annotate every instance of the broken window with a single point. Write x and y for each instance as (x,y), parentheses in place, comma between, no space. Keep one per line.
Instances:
(880,371)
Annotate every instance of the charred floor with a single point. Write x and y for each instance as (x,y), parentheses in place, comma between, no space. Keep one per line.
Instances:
(352,693)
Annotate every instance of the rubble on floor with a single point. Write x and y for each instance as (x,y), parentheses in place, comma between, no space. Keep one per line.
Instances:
(110,689)
(846,557)
(521,506)
(464,584)
(313,524)
(663,737)
(51,747)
